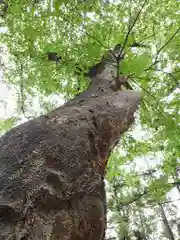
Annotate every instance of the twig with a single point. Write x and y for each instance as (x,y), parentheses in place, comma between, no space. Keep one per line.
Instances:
(22,95)
(161,48)
(155,101)
(124,44)
(172,76)
(170,201)
(130,29)
(154,63)
(22,89)
(169,40)
(116,197)
(85,32)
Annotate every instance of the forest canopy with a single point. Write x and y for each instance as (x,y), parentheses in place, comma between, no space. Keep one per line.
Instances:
(46,50)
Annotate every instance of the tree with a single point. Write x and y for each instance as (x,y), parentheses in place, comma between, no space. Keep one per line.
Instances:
(47,52)
(50,187)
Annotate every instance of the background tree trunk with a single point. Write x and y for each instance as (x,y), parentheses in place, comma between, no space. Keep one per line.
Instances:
(166,223)
(52,168)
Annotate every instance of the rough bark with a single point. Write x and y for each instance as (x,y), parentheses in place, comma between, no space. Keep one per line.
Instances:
(52,167)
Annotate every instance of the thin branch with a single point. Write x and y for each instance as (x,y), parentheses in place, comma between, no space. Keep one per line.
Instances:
(130,29)
(175,183)
(177,83)
(171,201)
(22,89)
(155,101)
(125,41)
(166,222)
(116,197)
(85,32)
(154,63)
(129,11)
(161,48)
(170,74)
(169,40)
(22,95)
(137,197)
(152,35)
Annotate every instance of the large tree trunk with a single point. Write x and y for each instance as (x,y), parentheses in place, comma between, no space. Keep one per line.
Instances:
(52,168)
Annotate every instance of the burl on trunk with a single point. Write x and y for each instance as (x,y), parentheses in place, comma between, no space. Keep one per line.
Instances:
(52,168)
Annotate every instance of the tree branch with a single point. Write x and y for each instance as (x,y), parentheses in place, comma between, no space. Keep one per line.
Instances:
(130,29)
(161,48)
(168,41)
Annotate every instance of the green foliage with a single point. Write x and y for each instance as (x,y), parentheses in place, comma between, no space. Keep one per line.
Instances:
(7,124)
(80,32)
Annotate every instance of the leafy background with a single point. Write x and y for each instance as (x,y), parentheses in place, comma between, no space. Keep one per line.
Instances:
(142,181)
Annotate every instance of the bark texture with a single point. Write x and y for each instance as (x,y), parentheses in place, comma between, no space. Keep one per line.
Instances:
(52,168)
